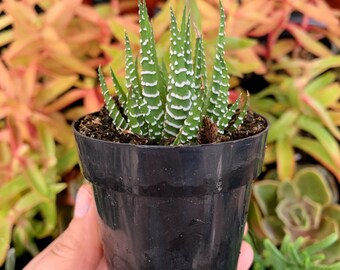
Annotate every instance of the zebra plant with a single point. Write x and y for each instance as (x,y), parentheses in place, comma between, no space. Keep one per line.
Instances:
(162,104)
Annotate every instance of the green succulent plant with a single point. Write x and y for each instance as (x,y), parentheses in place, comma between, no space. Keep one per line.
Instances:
(161,103)
(303,207)
(294,255)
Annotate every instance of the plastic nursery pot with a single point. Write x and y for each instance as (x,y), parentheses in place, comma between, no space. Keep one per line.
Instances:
(166,207)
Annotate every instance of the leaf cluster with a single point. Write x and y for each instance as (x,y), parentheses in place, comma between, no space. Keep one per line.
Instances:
(306,206)
(161,103)
(293,255)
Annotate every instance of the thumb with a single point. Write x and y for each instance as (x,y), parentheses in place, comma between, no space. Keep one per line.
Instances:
(79,247)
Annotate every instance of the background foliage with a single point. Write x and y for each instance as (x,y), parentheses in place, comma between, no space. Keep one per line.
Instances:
(283,52)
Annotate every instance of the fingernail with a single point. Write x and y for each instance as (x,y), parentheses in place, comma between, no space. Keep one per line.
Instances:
(83,202)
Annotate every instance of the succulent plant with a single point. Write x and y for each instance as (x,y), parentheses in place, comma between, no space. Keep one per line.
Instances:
(294,255)
(161,103)
(303,207)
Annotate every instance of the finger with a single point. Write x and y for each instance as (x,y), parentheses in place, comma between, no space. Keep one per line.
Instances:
(79,247)
(102,264)
(246,257)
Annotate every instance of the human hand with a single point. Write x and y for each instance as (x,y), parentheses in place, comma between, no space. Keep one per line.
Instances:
(79,247)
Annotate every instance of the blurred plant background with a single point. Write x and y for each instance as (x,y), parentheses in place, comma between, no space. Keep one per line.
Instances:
(285,53)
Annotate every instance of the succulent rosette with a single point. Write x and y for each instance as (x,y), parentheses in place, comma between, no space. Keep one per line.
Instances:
(304,207)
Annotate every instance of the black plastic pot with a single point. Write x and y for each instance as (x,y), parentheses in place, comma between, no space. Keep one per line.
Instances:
(166,207)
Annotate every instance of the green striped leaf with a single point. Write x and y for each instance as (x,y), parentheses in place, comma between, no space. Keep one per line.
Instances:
(110,103)
(217,85)
(200,70)
(221,106)
(222,123)
(242,114)
(179,95)
(135,101)
(150,79)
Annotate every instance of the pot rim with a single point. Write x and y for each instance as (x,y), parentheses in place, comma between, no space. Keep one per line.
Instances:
(77,133)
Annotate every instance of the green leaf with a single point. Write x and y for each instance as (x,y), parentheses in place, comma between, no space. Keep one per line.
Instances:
(188,132)
(280,259)
(322,113)
(27,202)
(179,95)
(200,69)
(265,195)
(5,238)
(49,214)
(242,114)
(317,151)
(285,158)
(12,189)
(150,78)
(327,227)
(118,29)
(111,105)
(37,180)
(217,86)
(332,253)
(320,65)
(273,227)
(135,101)
(322,135)
(221,107)
(66,160)
(287,189)
(237,43)
(119,90)
(333,211)
(312,184)
(48,144)
(10,260)
(320,82)
(319,246)
(224,120)
(282,125)
(328,96)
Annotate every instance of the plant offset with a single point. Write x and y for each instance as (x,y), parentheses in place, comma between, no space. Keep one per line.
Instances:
(163,104)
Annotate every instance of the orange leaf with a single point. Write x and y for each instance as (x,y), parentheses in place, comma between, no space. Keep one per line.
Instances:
(60,129)
(207,11)
(25,19)
(282,48)
(265,28)
(319,12)
(65,101)
(5,21)
(249,56)
(6,82)
(20,45)
(30,79)
(92,100)
(308,42)
(88,14)
(6,37)
(54,42)
(74,64)
(61,13)
(55,88)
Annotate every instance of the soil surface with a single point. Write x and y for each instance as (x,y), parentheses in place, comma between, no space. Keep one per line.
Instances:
(100,126)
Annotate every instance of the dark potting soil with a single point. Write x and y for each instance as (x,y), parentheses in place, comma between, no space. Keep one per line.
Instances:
(100,126)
